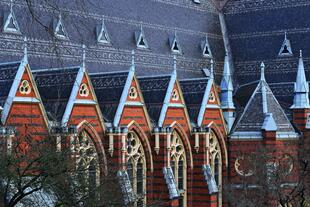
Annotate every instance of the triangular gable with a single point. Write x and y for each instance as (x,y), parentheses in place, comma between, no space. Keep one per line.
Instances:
(174,44)
(85,92)
(134,93)
(59,29)
(102,33)
(213,96)
(205,48)
(23,90)
(173,91)
(286,49)
(10,24)
(141,41)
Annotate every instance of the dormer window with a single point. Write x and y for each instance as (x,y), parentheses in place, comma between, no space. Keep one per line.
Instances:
(25,88)
(205,48)
(10,23)
(102,34)
(59,29)
(196,1)
(286,49)
(174,44)
(175,95)
(140,39)
(133,94)
(84,91)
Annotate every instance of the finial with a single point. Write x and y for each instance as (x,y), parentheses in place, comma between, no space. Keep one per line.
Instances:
(174,63)
(212,69)
(84,55)
(11,6)
(285,35)
(25,48)
(132,58)
(262,72)
(300,53)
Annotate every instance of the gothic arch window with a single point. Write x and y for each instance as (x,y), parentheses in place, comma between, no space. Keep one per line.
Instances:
(87,161)
(178,166)
(216,163)
(136,168)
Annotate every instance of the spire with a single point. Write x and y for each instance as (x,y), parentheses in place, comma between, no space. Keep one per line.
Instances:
(84,57)
(262,72)
(212,69)
(25,50)
(301,89)
(227,86)
(132,60)
(174,65)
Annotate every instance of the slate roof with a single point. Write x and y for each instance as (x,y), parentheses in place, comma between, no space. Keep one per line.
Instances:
(256,31)
(7,75)
(108,88)
(253,117)
(154,90)
(55,87)
(193,93)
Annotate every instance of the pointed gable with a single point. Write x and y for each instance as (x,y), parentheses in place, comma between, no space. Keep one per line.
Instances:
(141,41)
(85,92)
(205,48)
(102,33)
(134,92)
(286,49)
(174,44)
(59,29)
(10,24)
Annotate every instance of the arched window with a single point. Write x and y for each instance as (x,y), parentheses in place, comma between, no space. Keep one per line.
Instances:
(178,165)
(136,168)
(216,164)
(87,162)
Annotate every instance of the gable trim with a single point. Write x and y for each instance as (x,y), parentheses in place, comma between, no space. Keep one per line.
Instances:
(73,95)
(204,103)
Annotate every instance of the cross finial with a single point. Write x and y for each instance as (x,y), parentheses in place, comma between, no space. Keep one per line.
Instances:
(212,69)
(84,56)
(262,72)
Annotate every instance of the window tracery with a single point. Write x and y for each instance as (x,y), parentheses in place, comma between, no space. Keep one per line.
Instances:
(136,168)
(178,166)
(87,162)
(216,163)
(25,87)
(175,95)
(133,94)
(84,91)
(212,97)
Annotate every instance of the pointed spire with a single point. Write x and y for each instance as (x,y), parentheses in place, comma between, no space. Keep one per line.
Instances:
(301,89)
(212,69)
(262,71)
(84,57)
(132,60)
(25,58)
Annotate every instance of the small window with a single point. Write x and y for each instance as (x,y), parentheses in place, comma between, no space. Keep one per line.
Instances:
(84,91)
(10,23)
(175,95)
(286,49)
(59,29)
(174,44)
(133,94)
(212,97)
(25,87)
(140,39)
(205,47)
(102,34)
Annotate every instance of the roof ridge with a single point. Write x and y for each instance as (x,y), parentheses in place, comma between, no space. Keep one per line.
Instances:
(54,69)
(110,72)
